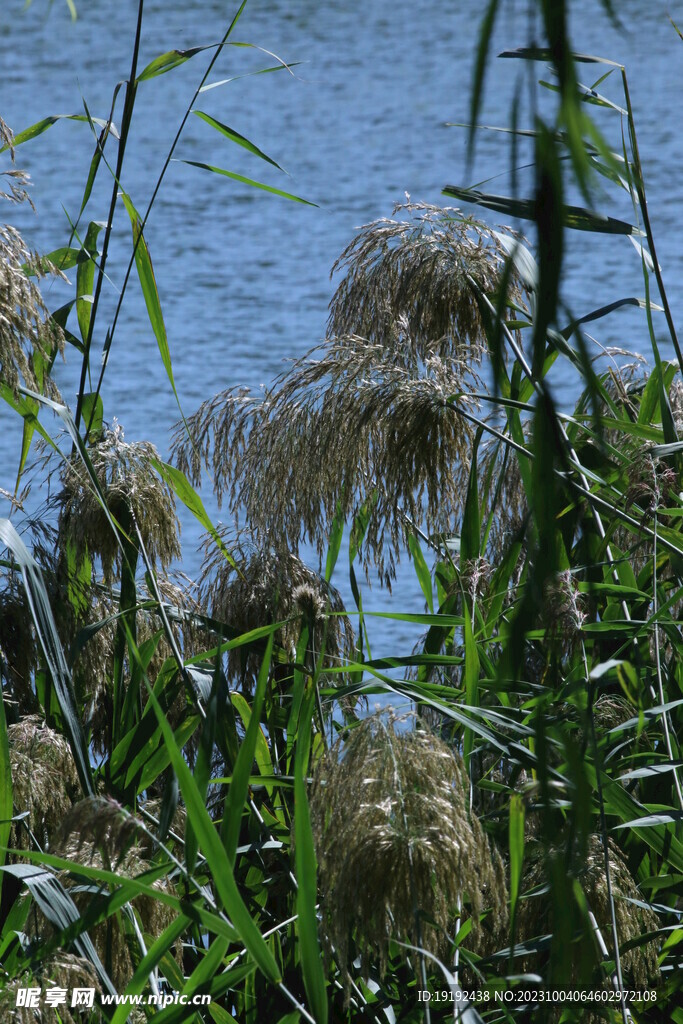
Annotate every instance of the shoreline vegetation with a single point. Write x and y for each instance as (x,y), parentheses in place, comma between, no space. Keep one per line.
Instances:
(195,793)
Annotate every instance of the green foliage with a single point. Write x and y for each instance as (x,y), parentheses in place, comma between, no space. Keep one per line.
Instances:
(192,796)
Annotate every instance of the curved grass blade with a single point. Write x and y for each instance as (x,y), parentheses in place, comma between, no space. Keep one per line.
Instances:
(597,314)
(247,181)
(85,279)
(237,793)
(171,59)
(59,908)
(42,126)
(100,141)
(576,217)
(516,844)
(250,74)
(234,136)
(184,490)
(539,53)
(143,262)
(485,36)
(422,572)
(64,258)
(262,754)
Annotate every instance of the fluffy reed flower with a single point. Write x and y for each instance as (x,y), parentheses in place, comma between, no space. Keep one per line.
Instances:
(267,586)
(562,612)
(26,328)
(375,399)
(62,971)
(398,849)
(134,494)
(632,918)
(650,482)
(25,324)
(16,179)
(408,282)
(389,438)
(44,779)
(103,823)
(99,833)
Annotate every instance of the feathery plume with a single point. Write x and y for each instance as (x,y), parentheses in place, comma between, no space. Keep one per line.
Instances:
(44,780)
(634,917)
(134,494)
(266,586)
(60,971)
(366,420)
(398,849)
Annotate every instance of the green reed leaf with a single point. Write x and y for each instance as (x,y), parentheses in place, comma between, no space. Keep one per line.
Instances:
(171,59)
(576,217)
(143,263)
(306,866)
(217,858)
(42,126)
(234,136)
(247,181)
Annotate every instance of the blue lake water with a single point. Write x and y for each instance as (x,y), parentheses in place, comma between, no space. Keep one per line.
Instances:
(244,276)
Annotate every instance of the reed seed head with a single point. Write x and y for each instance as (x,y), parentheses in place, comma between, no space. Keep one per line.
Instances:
(134,494)
(265,586)
(27,333)
(44,779)
(376,400)
(562,609)
(100,833)
(398,849)
(408,283)
(61,970)
(633,916)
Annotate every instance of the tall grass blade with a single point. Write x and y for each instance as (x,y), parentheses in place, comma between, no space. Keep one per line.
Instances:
(217,859)
(143,262)
(237,794)
(171,59)
(306,867)
(6,800)
(576,217)
(42,126)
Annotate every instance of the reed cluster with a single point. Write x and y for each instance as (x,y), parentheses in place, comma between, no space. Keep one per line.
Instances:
(192,795)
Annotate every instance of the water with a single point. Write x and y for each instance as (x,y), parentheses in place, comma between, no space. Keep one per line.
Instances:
(244,276)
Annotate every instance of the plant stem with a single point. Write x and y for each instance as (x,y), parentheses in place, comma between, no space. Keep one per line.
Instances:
(129,103)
